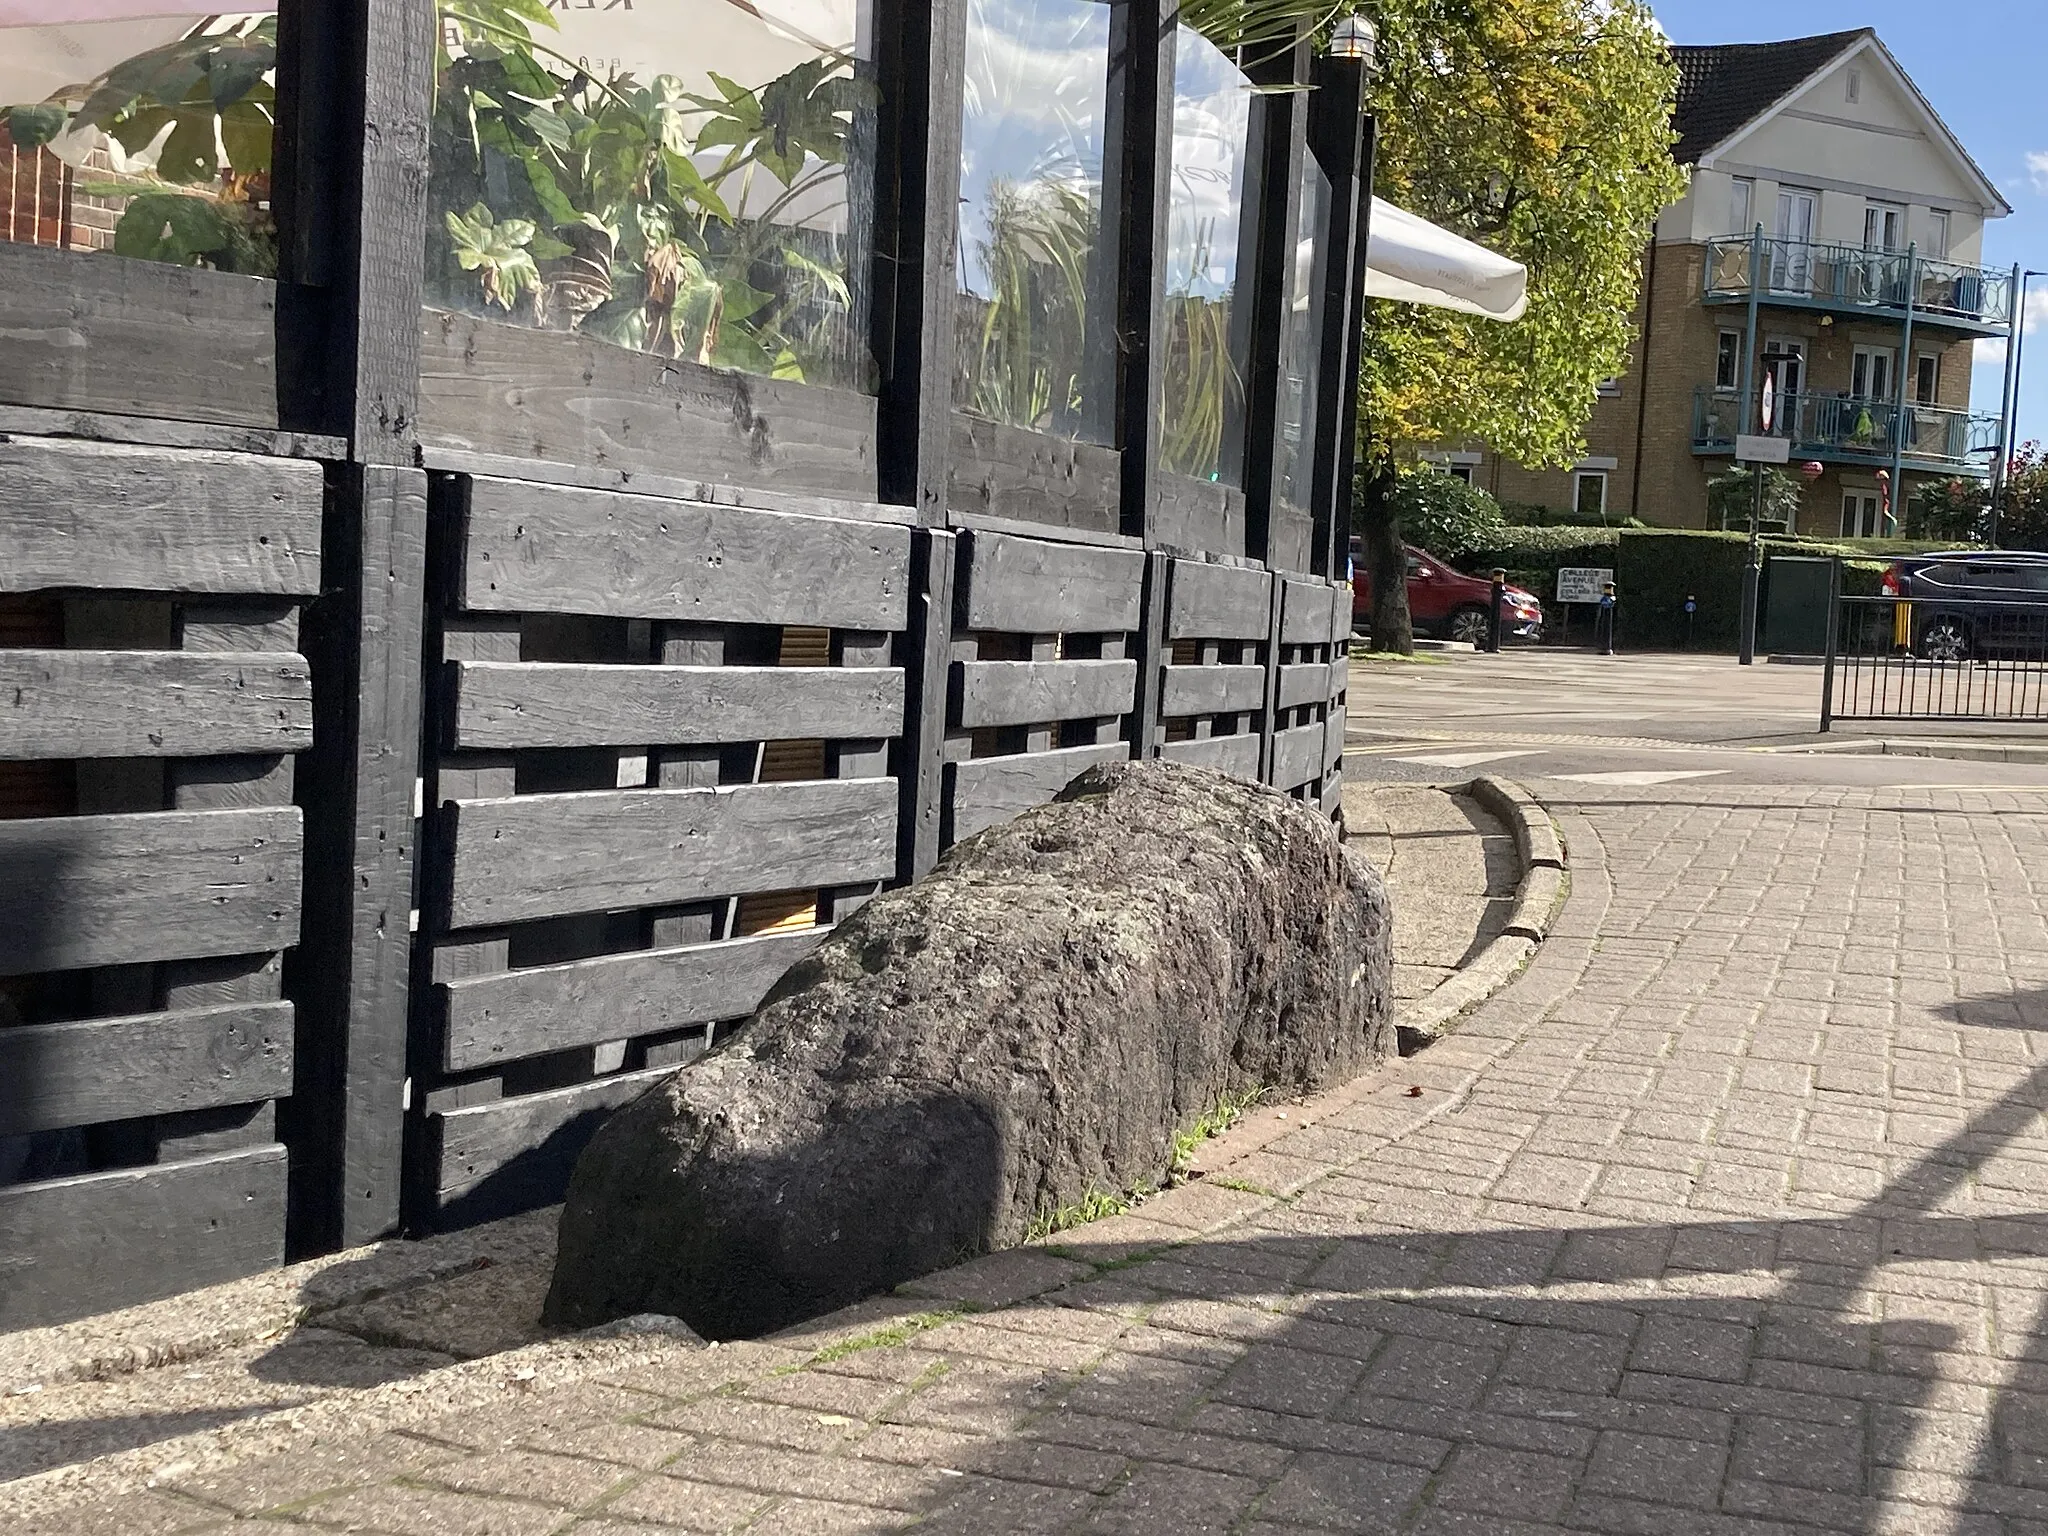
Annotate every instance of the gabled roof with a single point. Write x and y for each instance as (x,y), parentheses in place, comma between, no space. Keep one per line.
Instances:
(1723,88)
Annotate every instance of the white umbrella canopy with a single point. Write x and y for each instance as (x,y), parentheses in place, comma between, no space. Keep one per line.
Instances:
(1414,261)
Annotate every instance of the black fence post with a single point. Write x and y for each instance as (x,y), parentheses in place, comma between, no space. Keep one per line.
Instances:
(1827,676)
(1603,626)
(1500,596)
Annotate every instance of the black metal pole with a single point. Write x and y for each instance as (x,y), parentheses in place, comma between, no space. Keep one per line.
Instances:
(1827,677)
(1500,597)
(1751,570)
(1604,625)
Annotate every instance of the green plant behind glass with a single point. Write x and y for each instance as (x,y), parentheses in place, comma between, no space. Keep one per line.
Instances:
(208,103)
(578,202)
(1025,357)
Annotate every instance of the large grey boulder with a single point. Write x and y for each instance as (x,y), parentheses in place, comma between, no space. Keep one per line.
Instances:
(1032,1021)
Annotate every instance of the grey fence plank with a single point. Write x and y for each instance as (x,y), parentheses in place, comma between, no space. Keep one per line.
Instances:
(1220,690)
(152,704)
(1034,477)
(1297,755)
(54,1075)
(1305,612)
(489,1159)
(1197,516)
(490,387)
(985,790)
(1032,692)
(1340,613)
(501,706)
(555,549)
(1217,602)
(1333,738)
(104,1240)
(493,1019)
(1035,586)
(113,517)
(1303,682)
(143,338)
(164,885)
(550,855)
(1237,755)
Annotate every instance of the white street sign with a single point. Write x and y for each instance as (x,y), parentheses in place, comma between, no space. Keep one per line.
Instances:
(1582,583)
(1762,450)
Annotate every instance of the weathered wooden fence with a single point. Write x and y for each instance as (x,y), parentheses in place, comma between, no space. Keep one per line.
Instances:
(425,719)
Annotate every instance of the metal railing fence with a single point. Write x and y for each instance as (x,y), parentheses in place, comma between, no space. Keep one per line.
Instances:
(1894,658)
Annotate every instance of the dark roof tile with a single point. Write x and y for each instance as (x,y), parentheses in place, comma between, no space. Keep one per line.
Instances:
(1721,88)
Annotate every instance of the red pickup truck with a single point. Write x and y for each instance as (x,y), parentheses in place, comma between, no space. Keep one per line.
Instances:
(1447,604)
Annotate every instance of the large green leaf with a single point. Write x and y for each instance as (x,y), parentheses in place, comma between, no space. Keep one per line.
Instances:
(33,127)
(173,227)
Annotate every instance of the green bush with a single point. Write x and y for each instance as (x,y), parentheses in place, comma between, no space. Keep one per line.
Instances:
(1443,514)
(1532,555)
(1656,573)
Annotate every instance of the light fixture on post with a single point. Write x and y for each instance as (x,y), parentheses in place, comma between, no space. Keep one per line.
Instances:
(1355,37)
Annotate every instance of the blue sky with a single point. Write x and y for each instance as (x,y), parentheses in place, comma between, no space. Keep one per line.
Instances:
(1981,68)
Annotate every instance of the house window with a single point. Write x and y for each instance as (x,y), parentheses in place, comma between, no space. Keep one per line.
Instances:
(1589,495)
(1460,472)
(1927,378)
(1728,361)
(1854,88)
(1870,373)
(1741,206)
(1608,389)
(1937,234)
(1860,515)
(1884,227)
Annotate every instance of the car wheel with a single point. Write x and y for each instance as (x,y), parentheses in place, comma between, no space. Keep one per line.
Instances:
(1945,638)
(1469,625)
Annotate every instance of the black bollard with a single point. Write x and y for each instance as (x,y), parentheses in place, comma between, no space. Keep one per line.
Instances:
(1603,625)
(1500,597)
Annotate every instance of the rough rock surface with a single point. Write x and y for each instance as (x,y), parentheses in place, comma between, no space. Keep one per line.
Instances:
(1032,1021)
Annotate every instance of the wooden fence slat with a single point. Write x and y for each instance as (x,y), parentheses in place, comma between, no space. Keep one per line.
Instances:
(502,707)
(164,885)
(490,1159)
(1035,477)
(112,517)
(65,704)
(1297,755)
(494,387)
(143,338)
(55,1075)
(1305,612)
(104,1240)
(1237,755)
(532,548)
(1032,692)
(532,856)
(1217,602)
(493,1019)
(1217,690)
(1303,682)
(1340,612)
(1034,586)
(1333,739)
(1200,515)
(985,790)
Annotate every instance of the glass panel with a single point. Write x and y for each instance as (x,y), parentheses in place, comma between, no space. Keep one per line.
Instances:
(1035,290)
(693,180)
(1301,341)
(1201,414)
(147,136)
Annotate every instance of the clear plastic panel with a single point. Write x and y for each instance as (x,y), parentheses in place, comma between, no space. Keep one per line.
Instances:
(692,179)
(1208,241)
(1302,339)
(1036,291)
(126,129)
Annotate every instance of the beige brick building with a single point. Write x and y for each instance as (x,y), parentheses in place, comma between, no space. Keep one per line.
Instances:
(1873,217)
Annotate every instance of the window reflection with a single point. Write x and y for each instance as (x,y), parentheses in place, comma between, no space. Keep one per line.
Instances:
(1301,341)
(147,135)
(685,177)
(1035,306)
(1202,409)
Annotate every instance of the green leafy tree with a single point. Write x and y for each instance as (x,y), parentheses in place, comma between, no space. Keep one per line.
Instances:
(1953,511)
(1541,129)
(1443,514)
(1731,498)
(2023,523)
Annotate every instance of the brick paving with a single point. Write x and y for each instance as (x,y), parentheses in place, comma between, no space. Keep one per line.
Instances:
(1731,1215)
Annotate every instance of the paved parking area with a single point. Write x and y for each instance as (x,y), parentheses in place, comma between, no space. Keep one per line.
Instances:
(1729,1216)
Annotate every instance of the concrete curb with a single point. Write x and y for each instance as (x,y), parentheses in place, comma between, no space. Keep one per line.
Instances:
(1545,881)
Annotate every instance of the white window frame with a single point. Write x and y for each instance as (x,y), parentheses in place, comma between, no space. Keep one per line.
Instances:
(1733,358)
(1882,214)
(1460,472)
(1939,226)
(1608,389)
(1856,501)
(1852,89)
(1864,360)
(1742,205)
(1933,395)
(1579,479)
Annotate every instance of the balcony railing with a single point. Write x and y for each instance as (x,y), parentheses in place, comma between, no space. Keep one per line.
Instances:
(1844,429)
(1848,277)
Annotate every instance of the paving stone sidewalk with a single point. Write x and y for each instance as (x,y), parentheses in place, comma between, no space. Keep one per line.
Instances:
(1730,1215)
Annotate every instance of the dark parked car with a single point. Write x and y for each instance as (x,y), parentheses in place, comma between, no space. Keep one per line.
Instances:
(1986,604)
(1445,603)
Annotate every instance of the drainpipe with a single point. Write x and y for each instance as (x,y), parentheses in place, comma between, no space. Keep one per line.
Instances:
(1905,372)
(1635,497)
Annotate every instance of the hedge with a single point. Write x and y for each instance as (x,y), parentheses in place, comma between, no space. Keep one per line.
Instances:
(1533,556)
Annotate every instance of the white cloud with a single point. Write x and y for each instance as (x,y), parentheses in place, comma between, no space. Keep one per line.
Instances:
(1991,349)
(2037,169)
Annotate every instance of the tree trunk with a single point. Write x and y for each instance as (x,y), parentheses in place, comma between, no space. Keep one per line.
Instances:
(1386,558)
